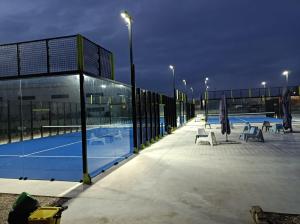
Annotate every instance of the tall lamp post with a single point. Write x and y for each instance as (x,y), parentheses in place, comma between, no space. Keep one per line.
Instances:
(191,106)
(264,85)
(172,68)
(192,90)
(184,83)
(286,74)
(128,20)
(206,98)
(185,100)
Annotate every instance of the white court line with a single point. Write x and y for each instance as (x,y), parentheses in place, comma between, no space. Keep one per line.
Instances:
(57,147)
(9,155)
(45,150)
(89,157)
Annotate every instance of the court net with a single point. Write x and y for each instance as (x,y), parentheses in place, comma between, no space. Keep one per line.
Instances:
(246,117)
(76,130)
(259,114)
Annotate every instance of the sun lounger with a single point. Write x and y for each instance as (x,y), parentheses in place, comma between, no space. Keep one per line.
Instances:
(255,133)
(118,136)
(266,125)
(246,129)
(200,133)
(277,128)
(211,138)
(94,140)
(207,124)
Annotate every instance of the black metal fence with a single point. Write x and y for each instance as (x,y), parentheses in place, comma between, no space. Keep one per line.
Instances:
(255,100)
(252,92)
(155,113)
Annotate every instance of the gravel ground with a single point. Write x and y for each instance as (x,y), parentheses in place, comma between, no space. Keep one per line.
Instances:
(7,200)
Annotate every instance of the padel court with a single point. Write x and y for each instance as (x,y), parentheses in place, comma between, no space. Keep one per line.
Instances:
(245,118)
(60,156)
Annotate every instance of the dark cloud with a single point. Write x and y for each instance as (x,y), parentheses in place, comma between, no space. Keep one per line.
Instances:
(237,43)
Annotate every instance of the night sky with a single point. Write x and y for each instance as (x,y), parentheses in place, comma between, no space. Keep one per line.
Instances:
(236,43)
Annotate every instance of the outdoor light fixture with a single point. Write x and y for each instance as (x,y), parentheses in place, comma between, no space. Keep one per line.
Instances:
(286,74)
(184,82)
(264,84)
(172,68)
(127,18)
(206,80)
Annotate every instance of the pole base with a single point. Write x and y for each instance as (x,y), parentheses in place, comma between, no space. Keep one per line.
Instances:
(87,179)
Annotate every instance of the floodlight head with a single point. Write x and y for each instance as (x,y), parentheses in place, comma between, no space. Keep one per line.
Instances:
(184,82)
(192,89)
(123,15)
(263,83)
(171,67)
(285,73)
(127,18)
(206,79)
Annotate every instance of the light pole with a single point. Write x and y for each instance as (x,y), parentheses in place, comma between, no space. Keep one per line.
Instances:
(286,74)
(192,90)
(172,68)
(185,100)
(128,20)
(264,84)
(184,82)
(206,98)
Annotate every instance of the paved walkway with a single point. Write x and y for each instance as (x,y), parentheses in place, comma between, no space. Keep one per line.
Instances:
(176,181)
(37,187)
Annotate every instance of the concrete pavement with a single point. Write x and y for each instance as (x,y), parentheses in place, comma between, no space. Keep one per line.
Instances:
(176,181)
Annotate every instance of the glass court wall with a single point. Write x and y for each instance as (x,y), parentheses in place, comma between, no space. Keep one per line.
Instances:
(109,123)
(40,128)
(47,103)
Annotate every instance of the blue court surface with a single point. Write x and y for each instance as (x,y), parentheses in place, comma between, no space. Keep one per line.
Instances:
(60,156)
(244,119)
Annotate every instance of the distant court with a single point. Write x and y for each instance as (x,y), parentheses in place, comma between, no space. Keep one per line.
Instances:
(244,118)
